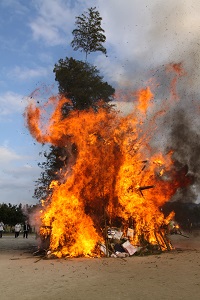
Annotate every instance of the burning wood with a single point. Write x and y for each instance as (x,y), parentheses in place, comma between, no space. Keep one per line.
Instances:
(118,244)
(142,188)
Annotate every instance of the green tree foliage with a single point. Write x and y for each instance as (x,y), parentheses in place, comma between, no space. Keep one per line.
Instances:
(11,214)
(82,84)
(88,35)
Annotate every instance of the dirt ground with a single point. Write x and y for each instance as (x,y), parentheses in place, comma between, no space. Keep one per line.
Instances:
(170,275)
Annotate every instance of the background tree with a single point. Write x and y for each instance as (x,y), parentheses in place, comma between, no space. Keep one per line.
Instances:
(11,214)
(82,84)
(88,36)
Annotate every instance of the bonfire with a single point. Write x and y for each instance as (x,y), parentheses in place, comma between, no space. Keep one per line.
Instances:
(112,189)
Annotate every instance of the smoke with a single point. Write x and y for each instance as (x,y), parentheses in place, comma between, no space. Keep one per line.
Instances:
(35,218)
(184,140)
(174,38)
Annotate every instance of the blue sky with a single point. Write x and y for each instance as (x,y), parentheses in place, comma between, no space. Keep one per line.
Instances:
(35,34)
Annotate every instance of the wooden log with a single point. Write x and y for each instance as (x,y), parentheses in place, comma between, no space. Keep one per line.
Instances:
(141,188)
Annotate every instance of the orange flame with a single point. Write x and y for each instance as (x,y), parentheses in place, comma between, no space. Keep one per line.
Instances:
(113,175)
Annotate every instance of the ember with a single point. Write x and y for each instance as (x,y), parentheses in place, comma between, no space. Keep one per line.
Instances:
(107,201)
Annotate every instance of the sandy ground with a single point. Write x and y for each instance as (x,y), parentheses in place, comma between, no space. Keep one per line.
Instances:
(170,275)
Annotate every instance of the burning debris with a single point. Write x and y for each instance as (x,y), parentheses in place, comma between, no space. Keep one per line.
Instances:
(120,244)
(108,198)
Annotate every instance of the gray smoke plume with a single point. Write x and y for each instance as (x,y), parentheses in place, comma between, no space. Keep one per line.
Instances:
(184,140)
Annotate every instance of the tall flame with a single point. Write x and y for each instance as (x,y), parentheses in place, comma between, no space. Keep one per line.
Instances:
(113,175)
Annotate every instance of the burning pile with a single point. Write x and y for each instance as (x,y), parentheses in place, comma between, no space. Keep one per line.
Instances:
(114,179)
